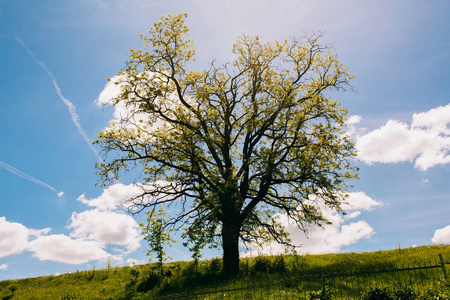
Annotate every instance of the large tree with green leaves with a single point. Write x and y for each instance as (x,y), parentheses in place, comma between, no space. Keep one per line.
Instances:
(236,144)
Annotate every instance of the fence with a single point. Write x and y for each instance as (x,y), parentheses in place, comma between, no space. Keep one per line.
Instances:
(417,281)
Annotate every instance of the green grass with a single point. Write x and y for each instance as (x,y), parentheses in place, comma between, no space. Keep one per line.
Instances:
(277,277)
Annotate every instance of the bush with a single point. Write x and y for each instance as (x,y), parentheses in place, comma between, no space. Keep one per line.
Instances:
(405,293)
(13,286)
(134,272)
(148,283)
(278,264)
(378,294)
(244,268)
(402,293)
(215,266)
(260,265)
(441,292)
(189,270)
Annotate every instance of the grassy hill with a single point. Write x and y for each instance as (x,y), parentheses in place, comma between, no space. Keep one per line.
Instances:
(277,277)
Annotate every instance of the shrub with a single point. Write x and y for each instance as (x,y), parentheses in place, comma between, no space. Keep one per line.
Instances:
(405,293)
(402,293)
(378,294)
(261,264)
(244,268)
(189,270)
(148,283)
(215,266)
(278,264)
(13,286)
(134,272)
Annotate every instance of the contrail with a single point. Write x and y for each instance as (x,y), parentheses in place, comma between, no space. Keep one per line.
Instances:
(72,108)
(180,252)
(28,177)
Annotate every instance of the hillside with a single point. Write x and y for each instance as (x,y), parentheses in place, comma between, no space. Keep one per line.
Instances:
(335,272)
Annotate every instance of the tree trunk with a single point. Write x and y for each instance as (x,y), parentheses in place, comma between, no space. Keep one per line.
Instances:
(230,244)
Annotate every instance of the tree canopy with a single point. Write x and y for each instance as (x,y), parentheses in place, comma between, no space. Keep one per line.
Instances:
(236,144)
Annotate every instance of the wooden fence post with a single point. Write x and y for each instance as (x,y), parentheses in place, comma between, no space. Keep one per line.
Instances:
(443,266)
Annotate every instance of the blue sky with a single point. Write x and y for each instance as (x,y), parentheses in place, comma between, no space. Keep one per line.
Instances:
(54,60)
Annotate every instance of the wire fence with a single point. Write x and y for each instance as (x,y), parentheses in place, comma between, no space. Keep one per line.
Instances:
(425,280)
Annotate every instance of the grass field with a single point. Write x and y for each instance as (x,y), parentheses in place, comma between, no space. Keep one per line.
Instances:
(331,276)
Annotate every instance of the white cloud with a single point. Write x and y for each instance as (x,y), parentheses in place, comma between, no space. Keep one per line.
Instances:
(426,141)
(134,262)
(106,223)
(437,119)
(355,119)
(13,237)
(112,197)
(391,143)
(352,129)
(442,236)
(91,232)
(121,111)
(106,227)
(328,238)
(130,117)
(119,196)
(110,91)
(63,249)
(3,267)
(359,200)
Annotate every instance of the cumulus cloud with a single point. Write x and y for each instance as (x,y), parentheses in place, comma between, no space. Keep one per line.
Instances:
(112,197)
(426,141)
(134,262)
(63,249)
(3,267)
(130,117)
(106,223)
(441,236)
(391,143)
(351,124)
(436,118)
(359,201)
(328,238)
(13,237)
(106,227)
(121,111)
(110,91)
(91,232)
(355,119)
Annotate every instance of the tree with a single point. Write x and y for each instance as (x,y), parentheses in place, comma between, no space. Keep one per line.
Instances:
(157,235)
(197,238)
(234,145)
